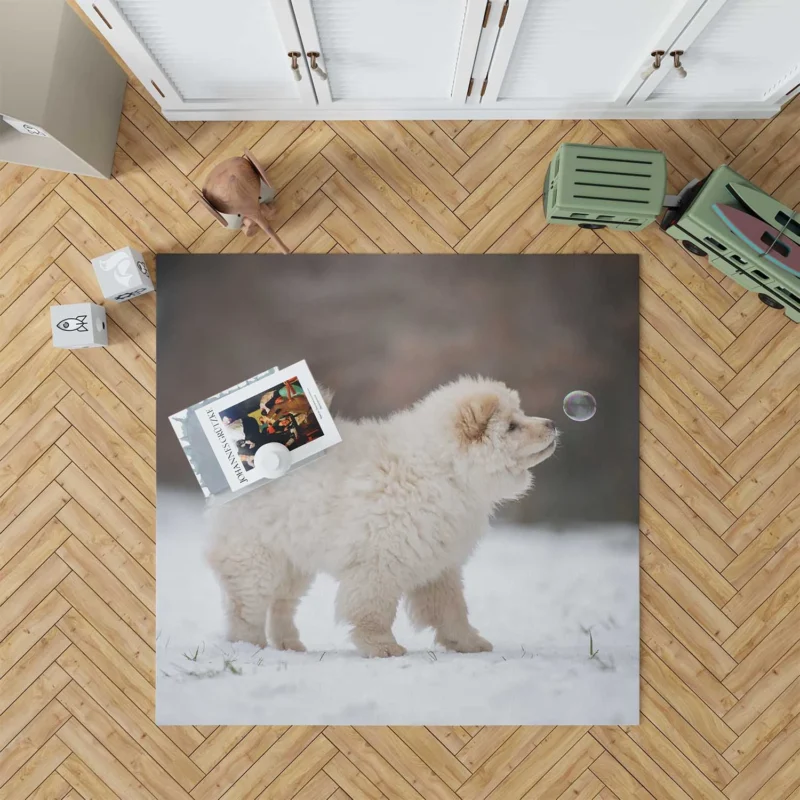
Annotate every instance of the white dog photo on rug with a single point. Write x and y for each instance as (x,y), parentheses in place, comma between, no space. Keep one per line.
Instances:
(467,554)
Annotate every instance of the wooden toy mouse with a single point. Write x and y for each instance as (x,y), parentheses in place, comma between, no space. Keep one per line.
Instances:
(233,193)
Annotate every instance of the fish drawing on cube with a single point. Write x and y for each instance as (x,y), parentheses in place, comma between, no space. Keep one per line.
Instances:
(78,325)
(122,274)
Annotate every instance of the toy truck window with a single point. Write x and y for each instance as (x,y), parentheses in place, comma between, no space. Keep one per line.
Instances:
(779,247)
(792,225)
(714,243)
(793,297)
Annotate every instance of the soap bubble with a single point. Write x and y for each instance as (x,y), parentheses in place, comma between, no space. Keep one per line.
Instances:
(580,406)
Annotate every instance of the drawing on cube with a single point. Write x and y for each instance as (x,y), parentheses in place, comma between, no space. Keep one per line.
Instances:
(122,274)
(78,325)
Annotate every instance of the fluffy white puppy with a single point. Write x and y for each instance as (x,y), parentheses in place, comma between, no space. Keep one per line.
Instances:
(393,511)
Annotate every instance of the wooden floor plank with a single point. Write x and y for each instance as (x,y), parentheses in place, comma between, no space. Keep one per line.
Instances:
(116,706)
(152,197)
(159,131)
(12,176)
(690,688)
(236,762)
(104,547)
(108,515)
(83,781)
(31,629)
(391,170)
(429,171)
(503,762)
(377,228)
(760,586)
(36,697)
(535,148)
(31,738)
(769,614)
(81,597)
(349,779)
(686,739)
(475,133)
(18,279)
(149,158)
(386,200)
(437,143)
(99,761)
(545,764)
(30,484)
(760,720)
(32,192)
(683,556)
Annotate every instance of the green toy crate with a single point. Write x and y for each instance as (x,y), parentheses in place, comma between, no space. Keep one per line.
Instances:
(697,226)
(598,187)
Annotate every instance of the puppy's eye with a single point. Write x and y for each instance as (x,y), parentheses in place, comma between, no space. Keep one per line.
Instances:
(512,426)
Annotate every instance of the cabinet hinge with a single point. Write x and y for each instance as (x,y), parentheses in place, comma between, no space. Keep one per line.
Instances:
(503,15)
(483,88)
(469,88)
(486,13)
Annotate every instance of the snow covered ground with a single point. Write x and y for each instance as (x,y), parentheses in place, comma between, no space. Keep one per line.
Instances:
(541,597)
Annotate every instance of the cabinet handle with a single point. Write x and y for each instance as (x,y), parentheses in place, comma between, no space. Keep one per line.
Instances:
(100,14)
(323,76)
(657,56)
(295,66)
(676,58)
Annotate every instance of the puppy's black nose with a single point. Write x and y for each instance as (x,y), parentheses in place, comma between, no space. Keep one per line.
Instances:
(549,424)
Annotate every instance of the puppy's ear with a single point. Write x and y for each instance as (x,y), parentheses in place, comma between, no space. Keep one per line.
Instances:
(473,416)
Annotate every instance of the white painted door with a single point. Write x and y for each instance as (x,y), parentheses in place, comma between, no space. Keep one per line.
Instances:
(214,55)
(736,50)
(577,54)
(388,54)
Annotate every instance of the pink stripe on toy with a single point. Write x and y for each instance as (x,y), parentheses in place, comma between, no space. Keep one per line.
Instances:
(764,239)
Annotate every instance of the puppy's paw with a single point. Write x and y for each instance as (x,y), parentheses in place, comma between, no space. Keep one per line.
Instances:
(382,650)
(474,643)
(240,631)
(290,644)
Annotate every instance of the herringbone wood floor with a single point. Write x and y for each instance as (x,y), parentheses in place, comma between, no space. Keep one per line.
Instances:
(720,470)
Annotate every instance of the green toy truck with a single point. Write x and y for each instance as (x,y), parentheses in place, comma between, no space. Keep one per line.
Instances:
(605,187)
(597,187)
(702,232)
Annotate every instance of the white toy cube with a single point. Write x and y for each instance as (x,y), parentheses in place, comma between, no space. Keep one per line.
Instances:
(122,274)
(78,325)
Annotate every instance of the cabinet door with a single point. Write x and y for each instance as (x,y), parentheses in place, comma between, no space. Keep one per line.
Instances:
(385,54)
(208,54)
(745,51)
(577,53)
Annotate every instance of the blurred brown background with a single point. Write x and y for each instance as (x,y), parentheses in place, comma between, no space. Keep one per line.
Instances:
(383,330)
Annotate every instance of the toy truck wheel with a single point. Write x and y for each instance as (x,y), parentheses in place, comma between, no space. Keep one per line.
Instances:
(592,226)
(769,301)
(693,248)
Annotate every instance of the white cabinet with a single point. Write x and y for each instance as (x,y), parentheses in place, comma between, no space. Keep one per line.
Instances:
(745,51)
(208,56)
(575,53)
(583,57)
(410,54)
(429,59)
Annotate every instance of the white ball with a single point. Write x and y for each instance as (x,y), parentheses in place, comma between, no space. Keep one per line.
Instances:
(272,460)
